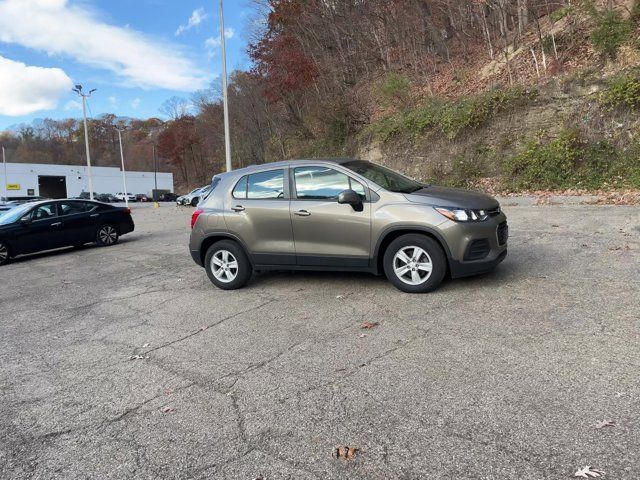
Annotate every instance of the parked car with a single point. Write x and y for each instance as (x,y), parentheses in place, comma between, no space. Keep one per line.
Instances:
(48,225)
(106,198)
(86,196)
(129,196)
(168,197)
(20,200)
(195,196)
(344,215)
(141,197)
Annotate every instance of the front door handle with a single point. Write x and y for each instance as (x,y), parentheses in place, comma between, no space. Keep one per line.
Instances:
(57,224)
(302,213)
(95,215)
(238,208)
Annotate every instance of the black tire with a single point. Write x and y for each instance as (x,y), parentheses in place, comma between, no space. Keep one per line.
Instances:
(434,253)
(5,253)
(242,272)
(107,235)
(195,201)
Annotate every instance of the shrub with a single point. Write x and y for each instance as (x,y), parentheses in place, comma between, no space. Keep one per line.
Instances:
(610,32)
(560,13)
(395,86)
(622,91)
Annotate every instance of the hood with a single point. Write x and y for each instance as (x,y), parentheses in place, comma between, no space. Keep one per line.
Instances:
(453,197)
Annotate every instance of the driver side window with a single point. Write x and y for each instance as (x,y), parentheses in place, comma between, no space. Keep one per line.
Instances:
(44,212)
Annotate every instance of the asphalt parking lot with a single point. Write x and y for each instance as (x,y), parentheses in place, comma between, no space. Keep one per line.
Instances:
(504,376)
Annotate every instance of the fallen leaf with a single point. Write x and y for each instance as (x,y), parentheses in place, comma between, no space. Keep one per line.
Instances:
(146,345)
(203,328)
(345,452)
(369,325)
(168,391)
(168,410)
(138,357)
(605,423)
(339,296)
(555,225)
(588,472)
(364,335)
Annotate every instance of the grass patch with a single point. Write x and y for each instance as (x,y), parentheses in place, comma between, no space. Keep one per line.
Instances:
(622,91)
(452,117)
(570,162)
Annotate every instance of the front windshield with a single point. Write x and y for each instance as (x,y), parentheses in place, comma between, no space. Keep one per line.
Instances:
(386,178)
(13,215)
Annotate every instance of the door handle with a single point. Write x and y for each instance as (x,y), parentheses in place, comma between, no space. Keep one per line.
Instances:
(238,208)
(95,215)
(302,213)
(57,224)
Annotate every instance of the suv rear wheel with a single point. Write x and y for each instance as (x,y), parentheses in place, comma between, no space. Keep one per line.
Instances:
(415,263)
(227,265)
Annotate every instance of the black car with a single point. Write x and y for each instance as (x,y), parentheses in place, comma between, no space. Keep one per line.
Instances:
(106,198)
(48,225)
(168,197)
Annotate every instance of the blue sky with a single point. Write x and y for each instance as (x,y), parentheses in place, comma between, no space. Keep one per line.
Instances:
(137,53)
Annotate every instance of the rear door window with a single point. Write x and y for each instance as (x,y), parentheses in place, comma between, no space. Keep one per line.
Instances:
(266,185)
(240,191)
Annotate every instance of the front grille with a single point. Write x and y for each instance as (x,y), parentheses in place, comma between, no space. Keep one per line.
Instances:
(503,233)
(478,249)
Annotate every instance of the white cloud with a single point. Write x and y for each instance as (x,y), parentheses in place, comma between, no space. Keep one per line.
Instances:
(59,28)
(25,89)
(113,101)
(196,18)
(213,43)
(135,103)
(73,105)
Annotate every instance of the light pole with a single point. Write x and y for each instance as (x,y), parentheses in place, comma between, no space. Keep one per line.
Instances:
(227,135)
(124,175)
(78,90)
(6,179)
(155,177)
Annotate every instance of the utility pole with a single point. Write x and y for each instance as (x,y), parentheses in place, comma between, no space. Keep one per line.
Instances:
(124,175)
(6,179)
(155,177)
(227,135)
(78,90)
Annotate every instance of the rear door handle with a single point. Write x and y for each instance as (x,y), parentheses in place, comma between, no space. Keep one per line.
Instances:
(57,224)
(95,215)
(238,208)
(302,213)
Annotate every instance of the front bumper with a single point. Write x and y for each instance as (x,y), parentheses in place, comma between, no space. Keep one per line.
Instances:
(476,248)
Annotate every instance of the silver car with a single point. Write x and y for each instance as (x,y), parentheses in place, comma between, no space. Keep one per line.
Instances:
(345,215)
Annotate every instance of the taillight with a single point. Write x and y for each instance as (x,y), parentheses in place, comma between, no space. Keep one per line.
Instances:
(195,215)
(127,211)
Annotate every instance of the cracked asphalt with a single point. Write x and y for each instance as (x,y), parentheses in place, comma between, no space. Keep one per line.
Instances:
(503,376)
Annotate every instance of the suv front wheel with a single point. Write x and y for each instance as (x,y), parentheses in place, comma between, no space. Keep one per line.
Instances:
(415,263)
(227,265)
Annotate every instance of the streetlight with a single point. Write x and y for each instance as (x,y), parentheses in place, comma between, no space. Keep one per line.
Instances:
(227,135)
(124,175)
(78,90)
(6,179)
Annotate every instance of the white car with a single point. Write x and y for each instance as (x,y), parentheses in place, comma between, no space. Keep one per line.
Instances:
(129,196)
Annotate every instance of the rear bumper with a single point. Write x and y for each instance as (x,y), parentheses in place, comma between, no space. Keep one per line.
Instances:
(126,227)
(468,269)
(195,254)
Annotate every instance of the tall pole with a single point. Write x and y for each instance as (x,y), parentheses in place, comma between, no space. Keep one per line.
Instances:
(124,175)
(6,179)
(227,135)
(155,177)
(78,90)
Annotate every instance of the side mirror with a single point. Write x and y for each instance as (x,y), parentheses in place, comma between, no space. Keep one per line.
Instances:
(349,197)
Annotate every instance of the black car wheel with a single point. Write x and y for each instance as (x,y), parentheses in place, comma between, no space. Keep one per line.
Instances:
(415,263)
(195,201)
(107,235)
(5,254)
(227,265)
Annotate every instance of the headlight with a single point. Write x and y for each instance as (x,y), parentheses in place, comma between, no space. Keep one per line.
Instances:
(463,214)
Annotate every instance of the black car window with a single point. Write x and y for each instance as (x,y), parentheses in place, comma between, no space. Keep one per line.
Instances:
(72,208)
(320,183)
(266,185)
(44,212)
(240,190)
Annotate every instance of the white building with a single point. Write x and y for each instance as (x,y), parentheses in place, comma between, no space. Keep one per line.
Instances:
(68,181)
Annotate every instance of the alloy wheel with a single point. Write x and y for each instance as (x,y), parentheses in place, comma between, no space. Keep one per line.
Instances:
(108,235)
(412,265)
(224,266)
